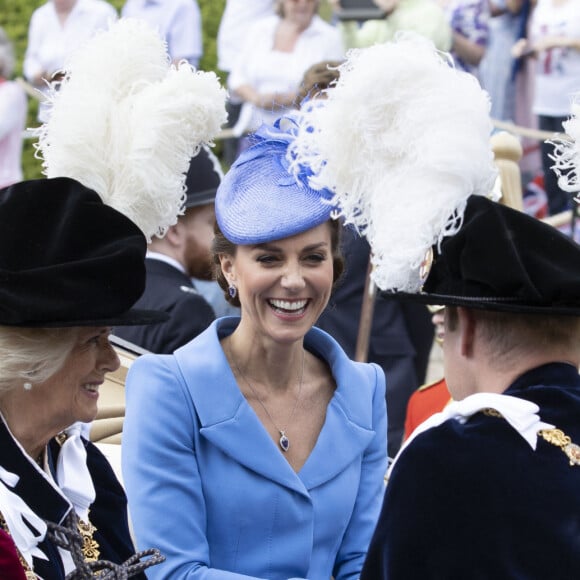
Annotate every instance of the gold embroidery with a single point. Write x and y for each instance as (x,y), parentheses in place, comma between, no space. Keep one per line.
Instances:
(91,550)
(61,438)
(558,438)
(491,412)
(425,266)
(555,437)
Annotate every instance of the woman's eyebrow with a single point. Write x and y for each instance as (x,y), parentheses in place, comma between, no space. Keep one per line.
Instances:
(274,248)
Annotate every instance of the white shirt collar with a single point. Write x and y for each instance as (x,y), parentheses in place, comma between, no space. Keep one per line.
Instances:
(167,259)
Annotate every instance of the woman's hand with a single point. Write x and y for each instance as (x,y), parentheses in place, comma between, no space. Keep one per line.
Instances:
(549,42)
(269,101)
(276,101)
(522,48)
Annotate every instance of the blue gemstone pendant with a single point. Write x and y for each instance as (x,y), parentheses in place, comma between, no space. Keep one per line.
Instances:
(284,441)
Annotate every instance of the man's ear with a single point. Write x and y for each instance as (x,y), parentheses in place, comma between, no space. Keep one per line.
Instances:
(466,326)
(173,235)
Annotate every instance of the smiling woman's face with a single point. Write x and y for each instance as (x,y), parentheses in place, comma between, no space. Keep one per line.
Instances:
(284,285)
(299,11)
(71,394)
(64,5)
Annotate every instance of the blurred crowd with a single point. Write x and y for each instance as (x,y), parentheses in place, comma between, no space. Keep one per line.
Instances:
(525,54)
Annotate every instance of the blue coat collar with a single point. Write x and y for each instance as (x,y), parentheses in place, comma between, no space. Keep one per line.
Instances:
(228,421)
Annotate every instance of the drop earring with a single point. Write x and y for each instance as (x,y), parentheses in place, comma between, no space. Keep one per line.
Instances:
(232,291)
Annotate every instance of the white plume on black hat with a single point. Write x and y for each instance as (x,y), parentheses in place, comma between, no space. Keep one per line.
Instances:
(125,123)
(402,140)
(566,154)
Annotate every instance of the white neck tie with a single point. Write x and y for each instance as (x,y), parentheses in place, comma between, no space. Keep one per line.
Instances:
(72,473)
(522,415)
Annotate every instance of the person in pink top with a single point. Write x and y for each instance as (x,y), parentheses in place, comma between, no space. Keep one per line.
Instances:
(12,117)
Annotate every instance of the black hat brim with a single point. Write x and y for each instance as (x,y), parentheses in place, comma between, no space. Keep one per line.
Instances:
(513,305)
(133,317)
(200,198)
(505,261)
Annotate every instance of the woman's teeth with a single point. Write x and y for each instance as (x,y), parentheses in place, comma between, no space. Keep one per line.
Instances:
(287,305)
(92,388)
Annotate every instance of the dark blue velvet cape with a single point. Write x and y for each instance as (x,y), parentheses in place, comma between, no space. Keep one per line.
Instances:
(474,501)
(108,512)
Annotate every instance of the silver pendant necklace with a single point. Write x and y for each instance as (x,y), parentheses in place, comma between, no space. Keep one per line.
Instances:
(284,442)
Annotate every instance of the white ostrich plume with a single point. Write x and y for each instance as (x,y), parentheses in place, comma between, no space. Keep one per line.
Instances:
(566,155)
(126,123)
(402,141)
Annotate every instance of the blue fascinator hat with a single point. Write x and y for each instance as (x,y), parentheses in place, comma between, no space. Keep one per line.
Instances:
(265,195)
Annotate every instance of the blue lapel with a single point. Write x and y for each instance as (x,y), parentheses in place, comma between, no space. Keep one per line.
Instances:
(348,428)
(229,423)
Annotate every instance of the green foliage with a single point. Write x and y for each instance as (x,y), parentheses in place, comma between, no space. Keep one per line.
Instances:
(15,16)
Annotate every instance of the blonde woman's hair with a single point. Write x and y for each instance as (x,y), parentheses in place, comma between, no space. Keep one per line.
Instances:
(32,355)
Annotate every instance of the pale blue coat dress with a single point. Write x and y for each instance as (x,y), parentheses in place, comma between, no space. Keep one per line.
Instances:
(209,487)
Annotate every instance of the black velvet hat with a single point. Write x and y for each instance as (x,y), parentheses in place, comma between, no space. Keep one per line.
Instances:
(202,179)
(502,259)
(67,259)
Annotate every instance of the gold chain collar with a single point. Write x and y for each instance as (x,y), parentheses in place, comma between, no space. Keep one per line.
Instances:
(553,436)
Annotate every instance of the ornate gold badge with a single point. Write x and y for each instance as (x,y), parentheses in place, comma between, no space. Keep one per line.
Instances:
(91,550)
(425,266)
(558,438)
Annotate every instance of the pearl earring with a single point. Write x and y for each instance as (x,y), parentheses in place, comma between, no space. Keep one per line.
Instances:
(27,386)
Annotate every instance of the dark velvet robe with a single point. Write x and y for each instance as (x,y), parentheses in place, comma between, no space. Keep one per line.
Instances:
(474,501)
(108,512)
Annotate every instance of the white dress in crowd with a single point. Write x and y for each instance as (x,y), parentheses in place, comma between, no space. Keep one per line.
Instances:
(269,71)
(50,42)
(177,21)
(238,17)
(557,70)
